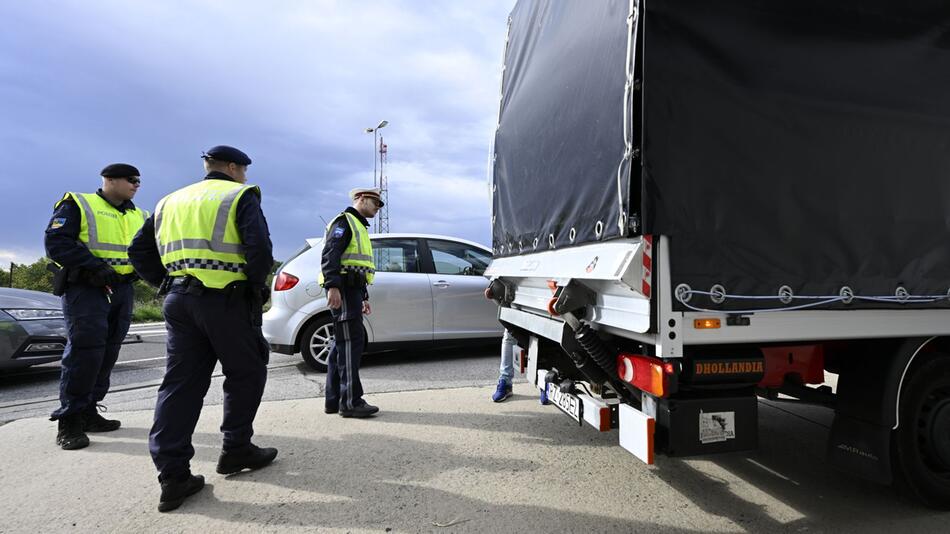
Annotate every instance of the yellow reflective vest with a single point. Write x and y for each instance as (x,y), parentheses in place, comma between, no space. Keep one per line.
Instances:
(197,234)
(358,255)
(105,230)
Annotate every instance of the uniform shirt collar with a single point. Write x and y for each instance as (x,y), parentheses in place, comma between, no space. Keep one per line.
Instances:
(125,206)
(359,216)
(217,175)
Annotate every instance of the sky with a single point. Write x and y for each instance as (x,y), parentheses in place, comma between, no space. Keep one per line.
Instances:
(292,83)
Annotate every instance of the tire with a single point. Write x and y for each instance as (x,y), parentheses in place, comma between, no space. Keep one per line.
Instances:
(315,343)
(921,444)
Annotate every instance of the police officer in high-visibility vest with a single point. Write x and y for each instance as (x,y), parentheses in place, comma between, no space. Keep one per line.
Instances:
(346,270)
(208,245)
(87,239)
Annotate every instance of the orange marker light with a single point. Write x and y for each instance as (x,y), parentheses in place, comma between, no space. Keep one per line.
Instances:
(701,324)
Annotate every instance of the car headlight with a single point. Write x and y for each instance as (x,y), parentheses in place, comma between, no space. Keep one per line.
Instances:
(32,314)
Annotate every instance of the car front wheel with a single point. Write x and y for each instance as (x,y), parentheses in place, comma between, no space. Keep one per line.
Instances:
(315,343)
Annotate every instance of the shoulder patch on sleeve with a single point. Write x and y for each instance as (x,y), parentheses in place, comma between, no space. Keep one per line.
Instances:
(58,222)
(338,231)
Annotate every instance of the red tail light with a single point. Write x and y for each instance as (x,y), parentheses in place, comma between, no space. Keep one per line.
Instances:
(646,373)
(285,281)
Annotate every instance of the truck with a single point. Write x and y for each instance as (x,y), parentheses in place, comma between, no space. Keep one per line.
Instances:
(699,204)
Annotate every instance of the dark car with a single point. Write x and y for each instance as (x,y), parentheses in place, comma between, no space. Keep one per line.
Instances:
(32,328)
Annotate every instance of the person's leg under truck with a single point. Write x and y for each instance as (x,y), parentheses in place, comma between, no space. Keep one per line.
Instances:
(191,361)
(240,345)
(120,317)
(507,368)
(86,310)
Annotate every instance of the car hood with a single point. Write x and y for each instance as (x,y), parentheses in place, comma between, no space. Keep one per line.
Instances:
(24,298)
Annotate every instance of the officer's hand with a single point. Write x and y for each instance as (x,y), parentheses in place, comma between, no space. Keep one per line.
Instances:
(265,294)
(114,278)
(366,309)
(333,298)
(101,276)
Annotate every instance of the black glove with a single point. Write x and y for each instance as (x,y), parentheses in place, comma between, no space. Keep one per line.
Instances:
(103,275)
(265,294)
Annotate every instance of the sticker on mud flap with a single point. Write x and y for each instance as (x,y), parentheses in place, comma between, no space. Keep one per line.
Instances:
(717,426)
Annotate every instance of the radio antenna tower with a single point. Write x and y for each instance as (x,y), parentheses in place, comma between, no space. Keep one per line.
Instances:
(382,218)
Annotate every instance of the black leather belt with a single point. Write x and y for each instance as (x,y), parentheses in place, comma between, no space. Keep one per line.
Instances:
(192,283)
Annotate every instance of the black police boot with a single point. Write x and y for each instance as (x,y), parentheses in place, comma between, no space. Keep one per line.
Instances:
(70,436)
(93,422)
(363,410)
(175,491)
(249,456)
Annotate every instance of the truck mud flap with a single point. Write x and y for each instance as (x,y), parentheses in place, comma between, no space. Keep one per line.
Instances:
(689,427)
(860,448)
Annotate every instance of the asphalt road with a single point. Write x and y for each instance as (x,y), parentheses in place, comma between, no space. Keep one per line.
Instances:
(527,463)
(33,392)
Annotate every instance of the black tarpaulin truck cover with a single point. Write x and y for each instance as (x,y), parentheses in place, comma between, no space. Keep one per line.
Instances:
(803,144)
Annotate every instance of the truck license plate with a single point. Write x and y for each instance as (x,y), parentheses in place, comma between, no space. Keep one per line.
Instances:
(566,402)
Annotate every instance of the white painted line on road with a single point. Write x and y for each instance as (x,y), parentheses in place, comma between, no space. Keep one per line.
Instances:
(146,325)
(772,471)
(142,360)
(150,333)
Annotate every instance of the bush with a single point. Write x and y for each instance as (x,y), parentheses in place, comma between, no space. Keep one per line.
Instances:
(147,313)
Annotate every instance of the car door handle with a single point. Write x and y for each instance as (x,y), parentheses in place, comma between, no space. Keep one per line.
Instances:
(441,283)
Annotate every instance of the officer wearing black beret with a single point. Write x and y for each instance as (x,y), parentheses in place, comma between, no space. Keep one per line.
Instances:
(214,261)
(87,239)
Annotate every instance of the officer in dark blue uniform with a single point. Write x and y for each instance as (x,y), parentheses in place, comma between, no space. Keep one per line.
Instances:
(97,301)
(207,324)
(348,301)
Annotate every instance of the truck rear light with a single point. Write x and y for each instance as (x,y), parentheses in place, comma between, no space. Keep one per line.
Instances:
(285,281)
(645,373)
(701,324)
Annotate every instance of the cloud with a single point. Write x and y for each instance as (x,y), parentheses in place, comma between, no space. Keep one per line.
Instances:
(294,84)
(20,256)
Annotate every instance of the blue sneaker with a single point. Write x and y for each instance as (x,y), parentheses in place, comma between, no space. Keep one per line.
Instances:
(502,392)
(544,397)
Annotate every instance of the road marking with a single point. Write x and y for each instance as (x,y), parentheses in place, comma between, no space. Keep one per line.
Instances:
(142,360)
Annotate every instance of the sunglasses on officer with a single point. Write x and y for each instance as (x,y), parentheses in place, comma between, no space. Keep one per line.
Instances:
(134,180)
(377,202)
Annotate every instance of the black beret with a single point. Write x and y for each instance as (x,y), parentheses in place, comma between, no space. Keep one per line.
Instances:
(119,170)
(227,153)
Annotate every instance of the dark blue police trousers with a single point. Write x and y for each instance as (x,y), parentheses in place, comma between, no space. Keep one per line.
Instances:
(96,325)
(344,389)
(204,329)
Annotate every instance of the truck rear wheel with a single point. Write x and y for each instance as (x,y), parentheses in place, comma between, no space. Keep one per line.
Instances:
(921,444)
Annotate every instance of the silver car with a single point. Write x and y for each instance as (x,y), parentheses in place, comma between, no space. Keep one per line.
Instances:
(32,328)
(428,289)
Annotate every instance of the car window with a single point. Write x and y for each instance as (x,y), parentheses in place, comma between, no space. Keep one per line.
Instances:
(396,255)
(458,258)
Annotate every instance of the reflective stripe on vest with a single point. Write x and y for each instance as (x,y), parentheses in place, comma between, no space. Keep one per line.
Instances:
(196,232)
(358,254)
(106,231)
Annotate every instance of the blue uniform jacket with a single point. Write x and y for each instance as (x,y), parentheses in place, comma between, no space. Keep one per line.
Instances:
(252,227)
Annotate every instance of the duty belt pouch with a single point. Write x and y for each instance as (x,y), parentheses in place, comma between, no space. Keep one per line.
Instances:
(60,278)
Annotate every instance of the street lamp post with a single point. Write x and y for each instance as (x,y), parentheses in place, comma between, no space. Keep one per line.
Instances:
(374,131)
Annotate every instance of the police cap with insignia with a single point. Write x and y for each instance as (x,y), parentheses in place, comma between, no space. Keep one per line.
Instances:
(119,170)
(373,192)
(226,153)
